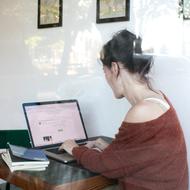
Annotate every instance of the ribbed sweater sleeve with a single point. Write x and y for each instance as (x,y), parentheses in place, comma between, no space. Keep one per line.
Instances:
(136,147)
(148,155)
(106,162)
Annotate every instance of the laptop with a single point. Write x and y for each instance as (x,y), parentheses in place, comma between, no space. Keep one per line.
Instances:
(51,123)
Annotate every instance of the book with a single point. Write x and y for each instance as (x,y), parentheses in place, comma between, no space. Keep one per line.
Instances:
(21,158)
(2,150)
(22,166)
(27,153)
(15,163)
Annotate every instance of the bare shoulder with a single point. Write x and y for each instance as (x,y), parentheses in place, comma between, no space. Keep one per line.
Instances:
(144,111)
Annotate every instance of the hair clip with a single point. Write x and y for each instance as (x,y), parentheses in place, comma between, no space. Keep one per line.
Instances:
(137,45)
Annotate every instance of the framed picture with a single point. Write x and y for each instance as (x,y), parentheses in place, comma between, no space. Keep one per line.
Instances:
(186,9)
(112,10)
(49,13)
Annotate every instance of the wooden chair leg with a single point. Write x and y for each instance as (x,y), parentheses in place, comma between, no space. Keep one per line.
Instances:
(7,187)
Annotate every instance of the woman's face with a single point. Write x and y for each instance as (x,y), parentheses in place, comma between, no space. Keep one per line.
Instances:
(107,73)
(112,81)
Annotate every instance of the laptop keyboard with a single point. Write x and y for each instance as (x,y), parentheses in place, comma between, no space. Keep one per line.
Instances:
(57,151)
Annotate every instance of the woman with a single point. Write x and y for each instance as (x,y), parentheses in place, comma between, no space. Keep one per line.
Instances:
(149,151)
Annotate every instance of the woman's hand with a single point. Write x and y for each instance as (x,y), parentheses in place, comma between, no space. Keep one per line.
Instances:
(99,144)
(90,144)
(68,146)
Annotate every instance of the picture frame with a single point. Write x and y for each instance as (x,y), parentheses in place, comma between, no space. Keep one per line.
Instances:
(112,11)
(49,13)
(186,9)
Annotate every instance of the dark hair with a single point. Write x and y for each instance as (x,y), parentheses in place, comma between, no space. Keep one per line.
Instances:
(125,47)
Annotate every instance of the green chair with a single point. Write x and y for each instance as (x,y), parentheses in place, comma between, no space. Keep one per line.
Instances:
(16,137)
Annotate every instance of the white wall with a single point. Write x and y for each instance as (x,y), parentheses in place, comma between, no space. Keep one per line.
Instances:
(56,63)
(60,63)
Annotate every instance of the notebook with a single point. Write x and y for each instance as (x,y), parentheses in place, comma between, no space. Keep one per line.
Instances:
(51,123)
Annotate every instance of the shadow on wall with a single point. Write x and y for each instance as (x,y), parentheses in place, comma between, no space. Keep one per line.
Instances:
(68,50)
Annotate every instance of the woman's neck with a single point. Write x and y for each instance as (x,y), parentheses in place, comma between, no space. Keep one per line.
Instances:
(137,94)
(136,91)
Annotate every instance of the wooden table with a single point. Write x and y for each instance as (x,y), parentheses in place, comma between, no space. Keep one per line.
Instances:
(57,176)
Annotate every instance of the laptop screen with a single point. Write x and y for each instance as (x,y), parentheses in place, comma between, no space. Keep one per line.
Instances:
(54,122)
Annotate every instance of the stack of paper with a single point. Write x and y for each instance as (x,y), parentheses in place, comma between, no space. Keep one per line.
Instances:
(21,158)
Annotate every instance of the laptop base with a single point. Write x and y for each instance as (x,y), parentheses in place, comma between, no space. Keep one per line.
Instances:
(64,157)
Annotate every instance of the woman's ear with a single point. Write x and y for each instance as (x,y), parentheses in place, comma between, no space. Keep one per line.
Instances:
(115,69)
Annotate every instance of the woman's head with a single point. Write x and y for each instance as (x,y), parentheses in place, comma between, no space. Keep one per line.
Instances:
(125,48)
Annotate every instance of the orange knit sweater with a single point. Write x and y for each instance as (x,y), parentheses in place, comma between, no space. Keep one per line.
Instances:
(143,156)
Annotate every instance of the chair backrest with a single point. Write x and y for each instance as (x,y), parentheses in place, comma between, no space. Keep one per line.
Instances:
(17,137)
